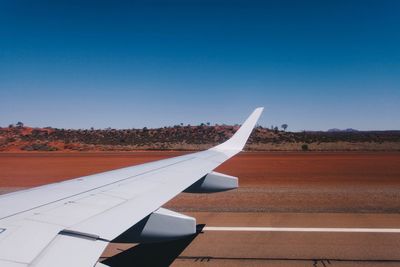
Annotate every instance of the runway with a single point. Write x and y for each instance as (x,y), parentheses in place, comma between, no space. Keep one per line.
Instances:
(263,239)
(301,229)
(273,240)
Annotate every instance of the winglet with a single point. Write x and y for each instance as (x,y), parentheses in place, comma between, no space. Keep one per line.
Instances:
(239,139)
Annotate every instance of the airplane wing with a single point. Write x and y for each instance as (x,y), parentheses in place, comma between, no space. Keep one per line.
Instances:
(70,223)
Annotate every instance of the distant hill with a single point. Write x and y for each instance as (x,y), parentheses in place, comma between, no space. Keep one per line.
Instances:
(22,138)
(345,130)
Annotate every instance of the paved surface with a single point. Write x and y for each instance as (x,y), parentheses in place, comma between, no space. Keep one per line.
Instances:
(295,248)
(373,247)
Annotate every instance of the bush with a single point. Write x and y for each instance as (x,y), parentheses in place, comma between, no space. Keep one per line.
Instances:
(39,147)
(304,147)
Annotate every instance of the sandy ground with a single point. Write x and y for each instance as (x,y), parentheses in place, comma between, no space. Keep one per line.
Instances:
(276,189)
(34,169)
(269,182)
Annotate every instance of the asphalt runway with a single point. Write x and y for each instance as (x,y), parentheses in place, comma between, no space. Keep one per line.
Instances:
(277,239)
(311,245)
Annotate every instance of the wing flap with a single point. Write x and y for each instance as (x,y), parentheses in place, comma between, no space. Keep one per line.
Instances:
(67,251)
(23,241)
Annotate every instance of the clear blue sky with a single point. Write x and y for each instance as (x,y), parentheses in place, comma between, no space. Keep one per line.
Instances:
(314,65)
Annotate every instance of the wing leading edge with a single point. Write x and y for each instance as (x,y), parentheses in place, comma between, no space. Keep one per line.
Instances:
(73,221)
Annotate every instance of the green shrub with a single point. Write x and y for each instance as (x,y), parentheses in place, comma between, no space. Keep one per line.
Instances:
(304,147)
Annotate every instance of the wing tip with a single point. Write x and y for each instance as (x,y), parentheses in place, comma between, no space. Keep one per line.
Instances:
(239,139)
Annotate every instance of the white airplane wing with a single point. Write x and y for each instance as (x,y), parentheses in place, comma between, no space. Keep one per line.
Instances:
(70,223)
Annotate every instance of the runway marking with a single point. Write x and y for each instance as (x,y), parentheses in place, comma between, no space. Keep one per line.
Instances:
(302,229)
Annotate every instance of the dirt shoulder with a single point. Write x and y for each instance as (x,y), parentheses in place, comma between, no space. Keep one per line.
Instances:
(358,182)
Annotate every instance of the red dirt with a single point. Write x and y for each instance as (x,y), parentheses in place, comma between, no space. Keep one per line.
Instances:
(269,181)
(257,168)
(34,169)
(317,168)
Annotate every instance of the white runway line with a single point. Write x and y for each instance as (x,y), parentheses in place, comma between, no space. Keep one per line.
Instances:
(303,229)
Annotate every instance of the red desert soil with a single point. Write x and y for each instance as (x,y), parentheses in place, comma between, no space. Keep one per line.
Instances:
(269,181)
(34,169)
